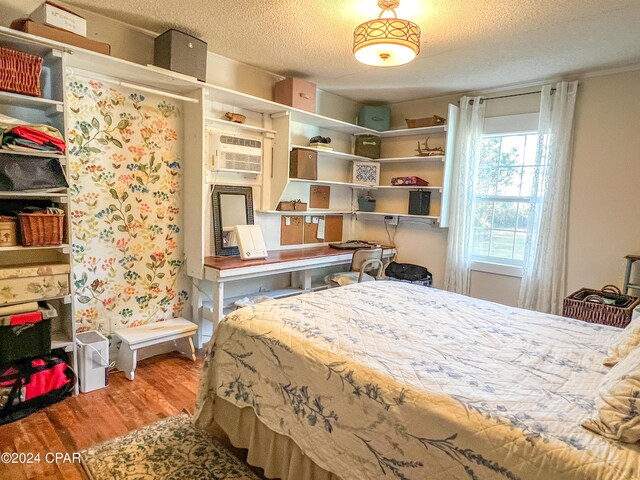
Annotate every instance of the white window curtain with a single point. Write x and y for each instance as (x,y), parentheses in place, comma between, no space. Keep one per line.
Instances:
(544,269)
(457,272)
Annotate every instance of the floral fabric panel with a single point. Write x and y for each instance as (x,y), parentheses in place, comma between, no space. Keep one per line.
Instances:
(126,206)
(386,380)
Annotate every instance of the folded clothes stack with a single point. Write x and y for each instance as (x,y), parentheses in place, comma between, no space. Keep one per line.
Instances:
(18,135)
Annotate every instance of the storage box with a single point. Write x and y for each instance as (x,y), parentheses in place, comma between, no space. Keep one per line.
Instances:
(61,36)
(303,164)
(366,204)
(376,118)
(366,173)
(292,206)
(182,53)
(409,181)
(25,283)
(296,93)
(368,146)
(29,338)
(419,203)
(8,231)
(58,17)
(425,122)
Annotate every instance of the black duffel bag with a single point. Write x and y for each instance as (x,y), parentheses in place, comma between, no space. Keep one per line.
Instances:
(408,272)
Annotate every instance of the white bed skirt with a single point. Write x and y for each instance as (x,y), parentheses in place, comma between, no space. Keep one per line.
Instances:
(276,454)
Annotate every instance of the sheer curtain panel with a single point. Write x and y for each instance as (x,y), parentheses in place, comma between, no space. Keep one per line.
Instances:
(457,272)
(544,269)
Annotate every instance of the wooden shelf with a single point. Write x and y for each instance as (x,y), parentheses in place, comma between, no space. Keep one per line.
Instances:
(402,215)
(17,100)
(60,339)
(405,132)
(433,158)
(334,154)
(65,299)
(331,183)
(306,212)
(55,194)
(20,248)
(309,118)
(243,126)
(6,151)
(409,187)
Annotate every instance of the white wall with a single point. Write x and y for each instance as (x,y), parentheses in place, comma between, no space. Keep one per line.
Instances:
(604,222)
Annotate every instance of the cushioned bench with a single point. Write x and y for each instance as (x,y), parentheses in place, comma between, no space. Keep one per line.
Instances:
(177,330)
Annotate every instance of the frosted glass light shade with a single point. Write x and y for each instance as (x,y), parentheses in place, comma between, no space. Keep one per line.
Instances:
(386,42)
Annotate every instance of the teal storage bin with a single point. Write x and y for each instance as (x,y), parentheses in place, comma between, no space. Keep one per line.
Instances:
(376,118)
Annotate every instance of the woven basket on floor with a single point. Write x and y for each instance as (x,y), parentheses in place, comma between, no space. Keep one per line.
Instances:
(20,72)
(41,229)
(591,306)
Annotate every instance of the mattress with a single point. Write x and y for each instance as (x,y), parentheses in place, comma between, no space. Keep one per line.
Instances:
(398,381)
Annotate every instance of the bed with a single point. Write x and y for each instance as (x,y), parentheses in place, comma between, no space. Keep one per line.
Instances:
(395,381)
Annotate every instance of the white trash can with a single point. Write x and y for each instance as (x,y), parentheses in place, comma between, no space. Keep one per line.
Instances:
(93,360)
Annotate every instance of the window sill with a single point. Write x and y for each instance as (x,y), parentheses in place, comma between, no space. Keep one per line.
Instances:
(497,269)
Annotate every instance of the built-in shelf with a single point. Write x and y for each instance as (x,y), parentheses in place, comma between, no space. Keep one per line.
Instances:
(281,293)
(320,121)
(64,298)
(17,100)
(6,151)
(407,187)
(402,215)
(330,182)
(433,158)
(55,194)
(20,248)
(60,339)
(405,132)
(306,212)
(334,154)
(243,126)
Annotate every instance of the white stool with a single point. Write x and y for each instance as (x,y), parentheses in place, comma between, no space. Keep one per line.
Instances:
(177,330)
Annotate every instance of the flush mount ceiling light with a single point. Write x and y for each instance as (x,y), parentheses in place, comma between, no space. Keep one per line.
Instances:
(386,42)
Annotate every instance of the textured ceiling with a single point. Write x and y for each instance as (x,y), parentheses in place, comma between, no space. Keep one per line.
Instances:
(466,44)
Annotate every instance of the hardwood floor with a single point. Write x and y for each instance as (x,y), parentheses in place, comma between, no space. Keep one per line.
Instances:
(165,385)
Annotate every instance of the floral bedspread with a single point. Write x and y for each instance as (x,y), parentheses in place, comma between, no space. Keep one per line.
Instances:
(395,381)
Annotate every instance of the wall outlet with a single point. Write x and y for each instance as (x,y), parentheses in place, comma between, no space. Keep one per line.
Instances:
(391,220)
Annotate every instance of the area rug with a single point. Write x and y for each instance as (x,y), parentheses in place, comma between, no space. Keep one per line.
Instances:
(171,449)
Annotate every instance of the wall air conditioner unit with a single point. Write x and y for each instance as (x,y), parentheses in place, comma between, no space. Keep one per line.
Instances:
(234,153)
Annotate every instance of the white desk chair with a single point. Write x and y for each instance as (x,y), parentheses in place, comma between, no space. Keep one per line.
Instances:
(364,259)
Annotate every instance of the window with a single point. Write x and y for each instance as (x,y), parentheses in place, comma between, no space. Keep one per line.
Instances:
(504,179)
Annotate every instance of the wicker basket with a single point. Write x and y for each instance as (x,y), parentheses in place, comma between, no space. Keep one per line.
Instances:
(425,122)
(606,306)
(20,72)
(41,229)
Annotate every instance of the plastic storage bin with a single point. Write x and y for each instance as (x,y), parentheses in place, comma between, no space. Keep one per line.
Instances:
(93,360)
(28,335)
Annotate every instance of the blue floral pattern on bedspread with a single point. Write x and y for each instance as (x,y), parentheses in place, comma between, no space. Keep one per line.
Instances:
(395,381)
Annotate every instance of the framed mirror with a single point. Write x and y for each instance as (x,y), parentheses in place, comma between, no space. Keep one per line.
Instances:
(231,206)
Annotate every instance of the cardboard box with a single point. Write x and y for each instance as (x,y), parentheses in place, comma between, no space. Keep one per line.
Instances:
(303,164)
(55,16)
(61,36)
(296,93)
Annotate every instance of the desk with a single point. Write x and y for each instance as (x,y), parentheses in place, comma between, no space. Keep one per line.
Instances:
(221,270)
